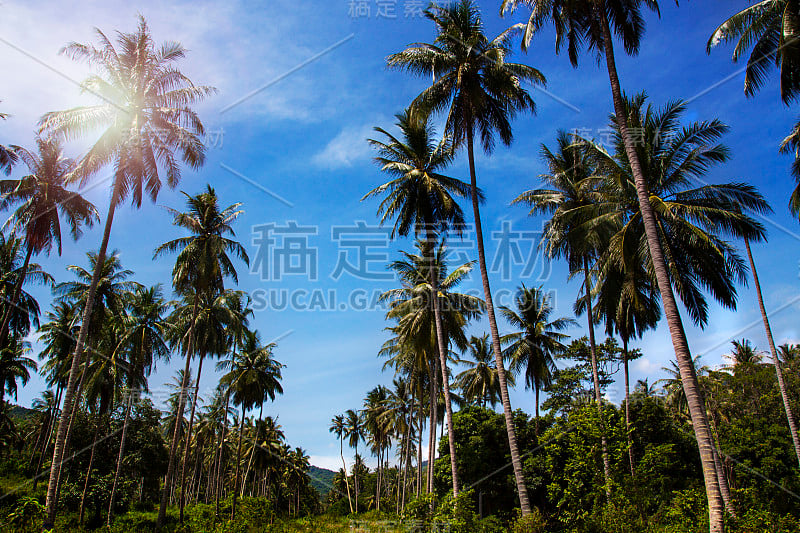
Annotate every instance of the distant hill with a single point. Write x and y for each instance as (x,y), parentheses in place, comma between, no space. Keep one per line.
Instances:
(321,479)
(19,412)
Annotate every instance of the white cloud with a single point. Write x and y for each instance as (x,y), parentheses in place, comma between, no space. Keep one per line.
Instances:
(349,146)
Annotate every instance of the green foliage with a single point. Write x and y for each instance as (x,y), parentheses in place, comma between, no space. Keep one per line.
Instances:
(533,523)
(27,511)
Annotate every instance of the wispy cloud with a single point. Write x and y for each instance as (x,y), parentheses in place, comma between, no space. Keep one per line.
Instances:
(346,148)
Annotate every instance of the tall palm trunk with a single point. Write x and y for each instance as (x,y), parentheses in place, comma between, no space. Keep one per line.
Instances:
(89,471)
(516,463)
(75,410)
(434,425)
(220,469)
(72,381)
(50,427)
(189,436)
(627,403)
(421,418)
(255,445)
(536,394)
(598,397)
(173,447)
(440,341)
(238,463)
(774,352)
(15,296)
(344,469)
(683,355)
(120,456)
(355,477)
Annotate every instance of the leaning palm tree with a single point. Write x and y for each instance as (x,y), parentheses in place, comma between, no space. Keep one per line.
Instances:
(580,224)
(148,119)
(482,93)
(338,429)
(43,202)
(774,352)
(143,340)
(589,23)
(533,349)
(253,377)
(201,266)
(422,199)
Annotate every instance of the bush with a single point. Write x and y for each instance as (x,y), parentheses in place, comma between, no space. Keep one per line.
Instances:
(533,523)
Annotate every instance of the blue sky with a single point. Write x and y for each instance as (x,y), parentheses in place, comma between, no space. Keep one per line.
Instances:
(296,151)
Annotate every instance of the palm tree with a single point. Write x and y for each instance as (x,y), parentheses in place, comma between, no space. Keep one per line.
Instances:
(744,354)
(479,382)
(770,30)
(589,23)
(25,312)
(45,201)
(421,198)
(211,322)
(378,431)
(533,349)
(483,93)
(579,227)
(628,300)
(775,357)
(417,332)
(143,340)
(253,377)
(15,366)
(8,154)
(147,115)
(354,432)
(338,429)
(201,266)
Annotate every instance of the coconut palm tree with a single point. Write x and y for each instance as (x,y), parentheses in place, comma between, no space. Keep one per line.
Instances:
(628,301)
(338,428)
(580,224)
(45,202)
(482,93)
(211,322)
(590,23)
(422,199)
(417,331)
(25,312)
(533,349)
(253,376)
(354,432)
(143,340)
(146,110)
(15,366)
(769,29)
(201,266)
(479,382)
(8,154)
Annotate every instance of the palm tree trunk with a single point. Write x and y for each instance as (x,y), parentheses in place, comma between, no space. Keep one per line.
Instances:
(536,394)
(189,436)
(516,463)
(434,425)
(255,445)
(774,352)
(420,417)
(598,398)
(173,447)
(440,341)
(72,381)
(220,469)
(688,373)
(238,464)
(344,469)
(75,410)
(355,477)
(628,404)
(89,472)
(119,457)
(50,432)
(15,296)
